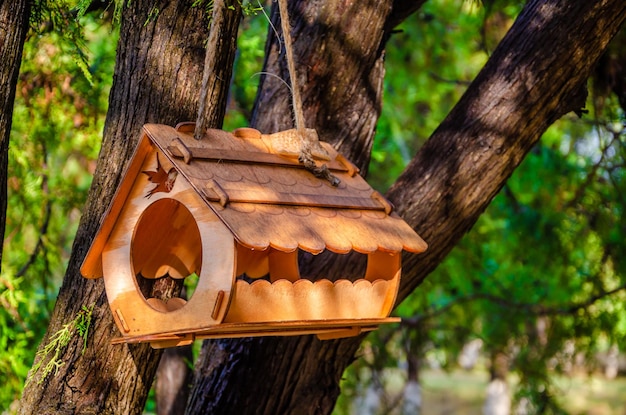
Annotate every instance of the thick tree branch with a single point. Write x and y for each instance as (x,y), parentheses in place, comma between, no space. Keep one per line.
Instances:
(526,85)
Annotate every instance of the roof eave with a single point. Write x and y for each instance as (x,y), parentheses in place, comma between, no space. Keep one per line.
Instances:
(92,264)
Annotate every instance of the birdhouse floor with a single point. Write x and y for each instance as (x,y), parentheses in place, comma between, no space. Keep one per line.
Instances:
(324,329)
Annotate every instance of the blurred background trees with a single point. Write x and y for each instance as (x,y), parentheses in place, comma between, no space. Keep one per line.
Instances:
(536,288)
(538,283)
(61,102)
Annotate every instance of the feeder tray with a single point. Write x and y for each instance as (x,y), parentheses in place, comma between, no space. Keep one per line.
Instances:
(231,212)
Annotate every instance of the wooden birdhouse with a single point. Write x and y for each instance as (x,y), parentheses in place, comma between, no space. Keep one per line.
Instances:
(232,213)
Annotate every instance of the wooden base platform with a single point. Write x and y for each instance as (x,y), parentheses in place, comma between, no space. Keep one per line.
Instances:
(324,329)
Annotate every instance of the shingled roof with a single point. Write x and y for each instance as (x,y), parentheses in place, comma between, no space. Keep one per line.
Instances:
(254,183)
(257,187)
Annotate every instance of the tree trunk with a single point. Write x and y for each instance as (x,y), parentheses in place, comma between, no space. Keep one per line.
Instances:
(415,349)
(13,28)
(498,396)
(339,61)
(216,75)
(157,79)
(172,380)
(536,75)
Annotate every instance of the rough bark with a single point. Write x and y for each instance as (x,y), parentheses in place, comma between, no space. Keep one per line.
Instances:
(13,28)
(534,77)
(216,76)
(339,60)
(157,79)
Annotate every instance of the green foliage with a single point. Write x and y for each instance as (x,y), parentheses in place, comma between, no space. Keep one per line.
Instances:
(55,139)
(248,8)
(82,7)
(251,8)
(423,83)
(56,16)
(16,339)
(58,342)
(248,65)
(540,277)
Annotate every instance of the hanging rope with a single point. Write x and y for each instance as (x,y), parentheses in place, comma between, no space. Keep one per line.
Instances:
(306,156)
(295,90)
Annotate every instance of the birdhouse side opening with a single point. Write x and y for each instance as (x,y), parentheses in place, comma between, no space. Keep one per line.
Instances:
(270,264)
(166,251)
(316,266)
(273,264)
(269,287)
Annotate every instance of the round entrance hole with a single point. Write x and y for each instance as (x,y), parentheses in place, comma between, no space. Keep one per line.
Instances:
(166,252)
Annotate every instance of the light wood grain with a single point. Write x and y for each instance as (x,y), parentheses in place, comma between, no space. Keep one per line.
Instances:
(231,206)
